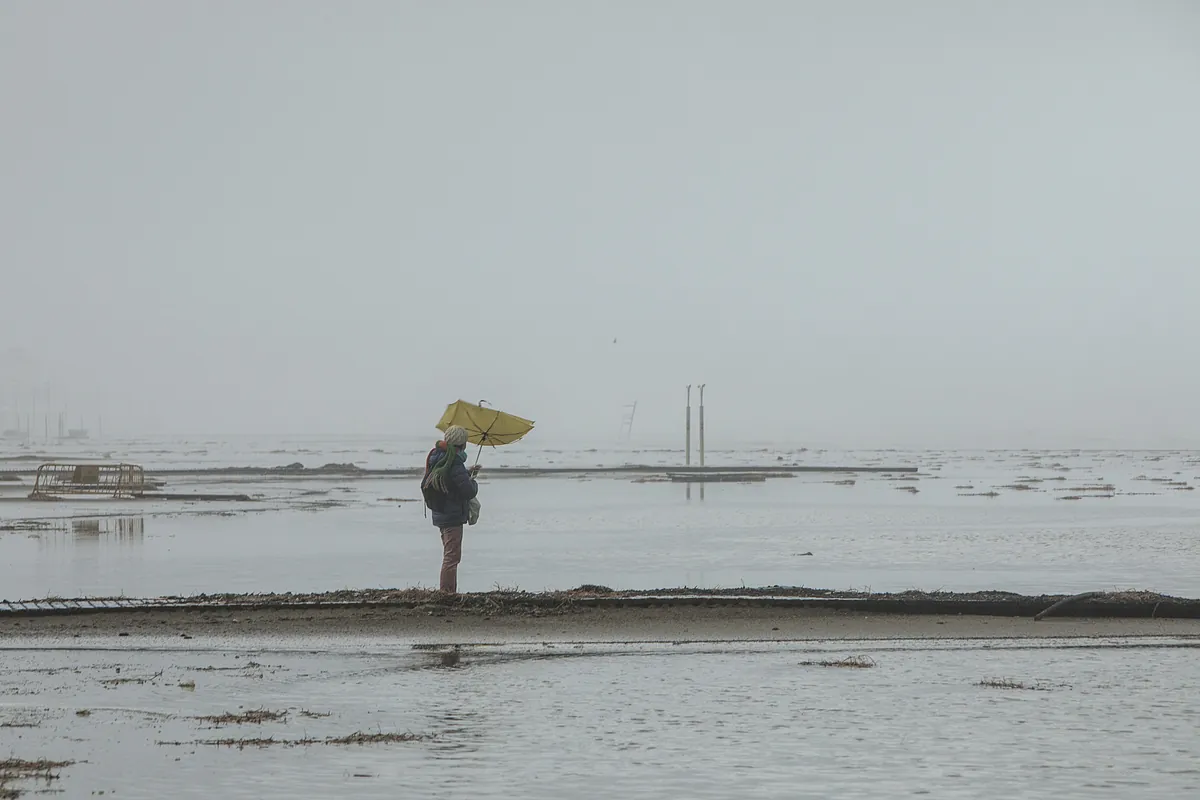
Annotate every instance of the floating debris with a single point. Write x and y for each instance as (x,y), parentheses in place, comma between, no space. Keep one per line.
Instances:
(25,525)
(254,717)
(19,722)
(724,477)
(358,737)
(319,505)
(17,769)
(113,682)
(1007,683)
(852,662)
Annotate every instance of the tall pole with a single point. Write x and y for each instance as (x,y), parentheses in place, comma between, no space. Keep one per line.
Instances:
(702,424)
(687,453)
(627,421)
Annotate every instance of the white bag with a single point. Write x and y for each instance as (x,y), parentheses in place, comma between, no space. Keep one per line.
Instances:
(473,511)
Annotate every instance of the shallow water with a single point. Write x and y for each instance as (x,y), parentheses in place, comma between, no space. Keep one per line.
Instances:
(560,532)
(389,452)
(603,720)
(1103,719)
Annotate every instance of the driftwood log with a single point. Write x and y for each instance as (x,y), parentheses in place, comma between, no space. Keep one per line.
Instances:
(1067,601)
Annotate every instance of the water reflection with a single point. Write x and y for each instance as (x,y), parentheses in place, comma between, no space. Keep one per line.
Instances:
(460,730)
(438,659)
(126,530)
(689,491)
(460,734)
(119,531)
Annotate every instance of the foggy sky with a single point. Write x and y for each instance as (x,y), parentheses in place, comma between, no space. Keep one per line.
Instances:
(861,223)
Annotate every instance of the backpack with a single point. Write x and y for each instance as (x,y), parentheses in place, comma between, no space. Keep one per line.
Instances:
(435,500)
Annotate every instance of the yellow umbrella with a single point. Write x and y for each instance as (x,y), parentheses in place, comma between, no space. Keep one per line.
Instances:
(484,426)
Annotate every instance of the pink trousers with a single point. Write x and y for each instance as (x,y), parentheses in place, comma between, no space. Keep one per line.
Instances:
(451,555)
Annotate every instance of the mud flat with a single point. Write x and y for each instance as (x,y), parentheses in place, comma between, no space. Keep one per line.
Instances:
(594,614)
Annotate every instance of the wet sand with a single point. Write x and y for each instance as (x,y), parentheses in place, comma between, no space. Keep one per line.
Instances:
(659,624)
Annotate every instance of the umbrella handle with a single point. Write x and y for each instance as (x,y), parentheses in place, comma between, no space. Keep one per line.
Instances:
(479,452)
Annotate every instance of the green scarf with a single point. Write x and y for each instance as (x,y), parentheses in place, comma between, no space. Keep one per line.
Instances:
(441,472)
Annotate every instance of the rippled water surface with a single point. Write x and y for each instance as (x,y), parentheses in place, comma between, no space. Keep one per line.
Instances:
(975,521)
(1098,719)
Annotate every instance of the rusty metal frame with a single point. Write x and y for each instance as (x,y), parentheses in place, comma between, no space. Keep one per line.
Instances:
(111,480)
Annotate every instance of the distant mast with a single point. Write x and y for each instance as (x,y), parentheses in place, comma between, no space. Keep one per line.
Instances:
(78,433)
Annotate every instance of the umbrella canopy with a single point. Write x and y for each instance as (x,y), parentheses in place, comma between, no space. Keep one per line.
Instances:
(484,425)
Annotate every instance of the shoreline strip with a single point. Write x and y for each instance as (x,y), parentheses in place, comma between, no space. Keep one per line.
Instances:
(1124,605)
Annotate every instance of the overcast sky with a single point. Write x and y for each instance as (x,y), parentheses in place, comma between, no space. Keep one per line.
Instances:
(861,223)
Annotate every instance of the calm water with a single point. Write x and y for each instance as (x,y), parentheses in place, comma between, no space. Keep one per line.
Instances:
(562,532)
(603,721)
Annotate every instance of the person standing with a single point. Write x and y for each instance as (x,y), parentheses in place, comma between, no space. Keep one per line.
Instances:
(450,491)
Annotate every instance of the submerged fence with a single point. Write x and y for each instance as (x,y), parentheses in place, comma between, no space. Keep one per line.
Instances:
(109,480)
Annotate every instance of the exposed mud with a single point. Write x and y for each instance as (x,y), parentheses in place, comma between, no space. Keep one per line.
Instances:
(253,717)
(850,662)
(18,771)
(358,738)
(26,525)
(670,616)
(1008,683)
(517,602)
